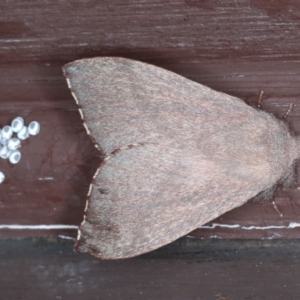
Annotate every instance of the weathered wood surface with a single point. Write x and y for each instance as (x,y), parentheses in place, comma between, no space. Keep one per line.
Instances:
(237,47)
(188,269)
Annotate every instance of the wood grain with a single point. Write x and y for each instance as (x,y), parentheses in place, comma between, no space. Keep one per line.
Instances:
(239,48)
(188,269)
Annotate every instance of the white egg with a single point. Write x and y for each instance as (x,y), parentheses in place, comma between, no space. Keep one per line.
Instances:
(4,152)
(7,132)
(2,177)
(23,133)
(14,144)
(15,157)
(34,128)
(17,124)
(3,141)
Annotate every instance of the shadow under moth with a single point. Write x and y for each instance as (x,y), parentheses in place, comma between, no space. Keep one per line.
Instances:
(177,154)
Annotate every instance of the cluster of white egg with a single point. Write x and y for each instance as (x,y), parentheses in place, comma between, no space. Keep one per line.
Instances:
(10,140)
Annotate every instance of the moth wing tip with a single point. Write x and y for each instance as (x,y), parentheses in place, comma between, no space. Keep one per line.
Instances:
(65,69)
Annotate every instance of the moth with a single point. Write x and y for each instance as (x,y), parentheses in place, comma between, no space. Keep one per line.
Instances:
(177,154)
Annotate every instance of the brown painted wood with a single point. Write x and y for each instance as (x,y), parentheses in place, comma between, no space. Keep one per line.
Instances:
(188,269)
(238,47)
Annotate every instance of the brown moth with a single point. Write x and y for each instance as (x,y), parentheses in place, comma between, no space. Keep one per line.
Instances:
(177,154)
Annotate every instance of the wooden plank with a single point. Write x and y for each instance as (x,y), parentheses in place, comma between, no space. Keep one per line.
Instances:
(239,47)
(187,269)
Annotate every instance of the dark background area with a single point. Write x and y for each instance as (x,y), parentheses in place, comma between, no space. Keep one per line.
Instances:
(238,47)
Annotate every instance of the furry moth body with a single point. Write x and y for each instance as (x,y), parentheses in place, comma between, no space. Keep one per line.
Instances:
(177,154)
